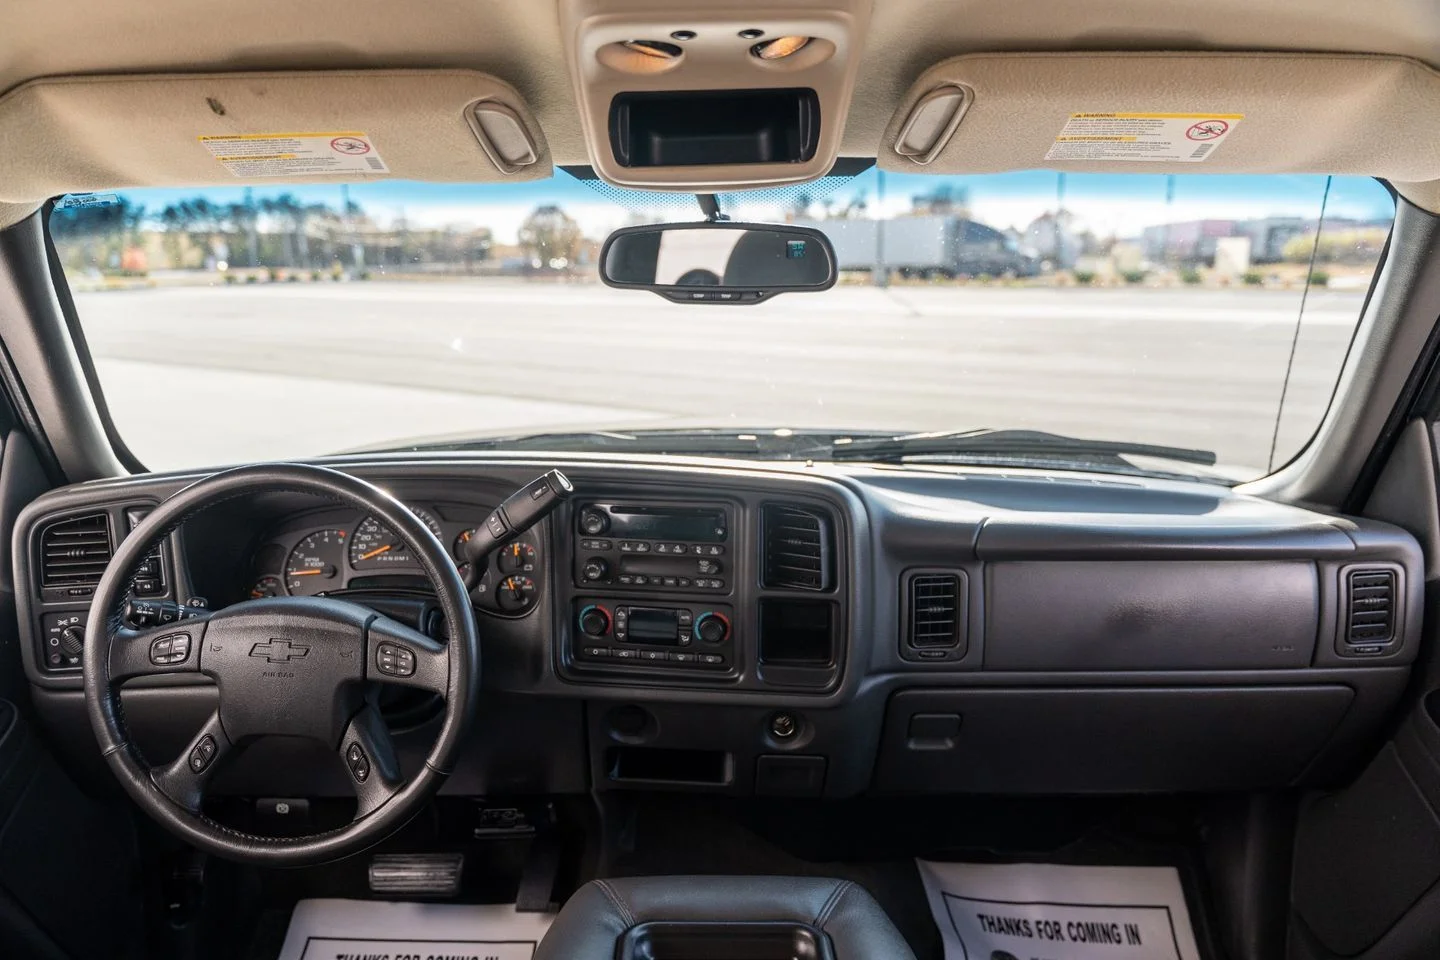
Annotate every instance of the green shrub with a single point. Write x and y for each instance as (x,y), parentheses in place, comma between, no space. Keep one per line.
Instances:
(1319,278)
(1084,277)
(251,278)
(1190,277)
(1133,276)
(231,278)
(1252,278)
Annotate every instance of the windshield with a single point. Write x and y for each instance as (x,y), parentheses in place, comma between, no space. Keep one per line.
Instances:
(1205,313)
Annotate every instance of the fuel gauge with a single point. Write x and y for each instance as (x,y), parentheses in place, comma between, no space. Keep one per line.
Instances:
(515,593)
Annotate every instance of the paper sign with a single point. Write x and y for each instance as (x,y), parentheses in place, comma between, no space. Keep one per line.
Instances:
(295,154)
(348,949)
(1052,912)
(1167,137)
(373,930)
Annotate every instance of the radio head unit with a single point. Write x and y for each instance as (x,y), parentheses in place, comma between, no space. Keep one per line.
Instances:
(649,546)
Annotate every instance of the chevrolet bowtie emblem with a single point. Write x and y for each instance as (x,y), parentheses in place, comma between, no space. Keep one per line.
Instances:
(279,651)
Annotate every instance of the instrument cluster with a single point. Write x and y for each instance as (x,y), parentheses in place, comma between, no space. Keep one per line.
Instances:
(320,559)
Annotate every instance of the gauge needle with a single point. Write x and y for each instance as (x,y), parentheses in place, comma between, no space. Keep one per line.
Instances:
(325,571)
(377,551)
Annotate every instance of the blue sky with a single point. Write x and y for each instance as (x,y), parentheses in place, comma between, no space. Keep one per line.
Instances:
(1119,204)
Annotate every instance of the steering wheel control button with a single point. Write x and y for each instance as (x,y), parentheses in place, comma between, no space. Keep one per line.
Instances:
(202,754)
(358,763)
(170,649)
(393,660)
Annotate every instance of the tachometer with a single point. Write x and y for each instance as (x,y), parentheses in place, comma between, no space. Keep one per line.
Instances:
(376,545)
(314,565)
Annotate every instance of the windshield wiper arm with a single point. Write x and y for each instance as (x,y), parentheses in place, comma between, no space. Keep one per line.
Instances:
(1001,443)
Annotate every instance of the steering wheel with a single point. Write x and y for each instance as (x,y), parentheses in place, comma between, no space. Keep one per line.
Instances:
(287,666)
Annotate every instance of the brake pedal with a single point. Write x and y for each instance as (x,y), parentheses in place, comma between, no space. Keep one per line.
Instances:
(417,874)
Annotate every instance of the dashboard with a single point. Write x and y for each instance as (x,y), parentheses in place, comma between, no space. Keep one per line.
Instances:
(799,629)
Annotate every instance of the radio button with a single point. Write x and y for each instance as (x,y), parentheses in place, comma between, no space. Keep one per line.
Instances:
(670,582)
(595,544)
(642,547)
(707,566)
(626,579)
(627,546)
(685,617)
(641,580)
(593,521)
(683,582)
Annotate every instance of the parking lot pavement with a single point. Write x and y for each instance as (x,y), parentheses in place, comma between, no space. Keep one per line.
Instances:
(203,375)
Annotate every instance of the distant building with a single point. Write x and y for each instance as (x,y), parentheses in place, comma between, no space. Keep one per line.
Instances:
(1189,242)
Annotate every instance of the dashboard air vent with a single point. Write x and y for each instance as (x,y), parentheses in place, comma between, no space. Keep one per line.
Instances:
(934,611)
(1372,608)
(797,548)
(75,552)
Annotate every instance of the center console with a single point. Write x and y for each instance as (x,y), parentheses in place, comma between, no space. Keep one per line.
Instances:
(735,591)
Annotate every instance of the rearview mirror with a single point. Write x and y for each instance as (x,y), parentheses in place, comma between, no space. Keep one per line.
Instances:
(718,261)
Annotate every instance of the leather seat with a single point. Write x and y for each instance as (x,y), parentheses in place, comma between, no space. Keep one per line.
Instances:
(602,912)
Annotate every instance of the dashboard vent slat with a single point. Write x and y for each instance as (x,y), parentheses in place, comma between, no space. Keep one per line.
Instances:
(797,548)
(934,605)
(1371,614)
(75,552)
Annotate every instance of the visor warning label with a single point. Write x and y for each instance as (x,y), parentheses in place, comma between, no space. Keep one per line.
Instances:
(295,154)
(1163,137)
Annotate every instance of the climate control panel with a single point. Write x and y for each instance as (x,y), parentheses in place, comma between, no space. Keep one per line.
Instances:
(611,634)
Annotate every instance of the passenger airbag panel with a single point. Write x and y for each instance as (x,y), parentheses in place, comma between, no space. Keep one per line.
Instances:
(1169,615)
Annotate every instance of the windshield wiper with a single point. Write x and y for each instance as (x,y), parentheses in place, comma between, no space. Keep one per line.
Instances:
(764,443)
(1003,445)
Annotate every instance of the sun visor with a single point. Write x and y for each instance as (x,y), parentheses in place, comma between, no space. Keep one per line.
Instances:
(1170,113)
(69,134)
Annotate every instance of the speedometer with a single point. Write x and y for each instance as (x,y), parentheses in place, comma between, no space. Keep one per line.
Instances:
(375,545)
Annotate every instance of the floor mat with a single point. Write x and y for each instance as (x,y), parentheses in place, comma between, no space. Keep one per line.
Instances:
(360,929)
(1052,912)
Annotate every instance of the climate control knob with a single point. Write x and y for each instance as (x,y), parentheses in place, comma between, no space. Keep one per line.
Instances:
(594,621)
(595,569)
(711,627)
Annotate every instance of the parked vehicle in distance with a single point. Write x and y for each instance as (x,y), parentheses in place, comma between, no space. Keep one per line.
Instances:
(936,245)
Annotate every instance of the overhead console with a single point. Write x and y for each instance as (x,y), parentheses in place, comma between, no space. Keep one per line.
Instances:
(690,97)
